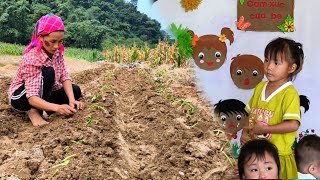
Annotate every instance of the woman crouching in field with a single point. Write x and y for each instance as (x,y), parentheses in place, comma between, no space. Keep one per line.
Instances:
(42,82)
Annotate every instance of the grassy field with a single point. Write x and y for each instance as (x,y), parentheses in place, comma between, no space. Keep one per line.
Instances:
(163,53)
(90,55)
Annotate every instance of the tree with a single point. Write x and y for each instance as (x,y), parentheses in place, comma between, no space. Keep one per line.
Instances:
(86,34)
(114,19)
(14,22)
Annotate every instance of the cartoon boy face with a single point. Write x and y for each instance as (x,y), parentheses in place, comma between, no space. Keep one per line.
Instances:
(232,114)
(246,71)
(232,122)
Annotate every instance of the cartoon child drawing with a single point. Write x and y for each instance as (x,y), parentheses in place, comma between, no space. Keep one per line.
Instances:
(210,51)
(246,71)
(232,115)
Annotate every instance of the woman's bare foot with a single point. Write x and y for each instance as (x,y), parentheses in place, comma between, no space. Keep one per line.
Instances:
(36,118)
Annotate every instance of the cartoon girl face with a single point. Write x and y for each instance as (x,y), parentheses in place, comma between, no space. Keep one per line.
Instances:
(209,59)
(210,51)
(246,71)
(232,122)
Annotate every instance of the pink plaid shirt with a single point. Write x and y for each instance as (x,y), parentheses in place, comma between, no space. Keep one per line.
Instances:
(30,72)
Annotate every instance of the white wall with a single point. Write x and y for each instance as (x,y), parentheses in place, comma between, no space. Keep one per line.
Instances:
(212,15)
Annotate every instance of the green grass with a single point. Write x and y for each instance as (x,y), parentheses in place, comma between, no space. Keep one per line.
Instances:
(90,55)
(11,49)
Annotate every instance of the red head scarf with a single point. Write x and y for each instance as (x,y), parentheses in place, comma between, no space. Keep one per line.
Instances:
(45,25)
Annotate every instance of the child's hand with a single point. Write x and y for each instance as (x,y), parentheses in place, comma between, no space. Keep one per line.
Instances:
(244,136)
(259,128)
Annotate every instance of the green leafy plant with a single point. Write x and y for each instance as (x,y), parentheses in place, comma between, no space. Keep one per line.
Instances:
(230,159)
(65,161)
(242,2)
(95,97)
(91,120)
(155,62)
(183,40)
(98,107)
(191,108)
(134,53)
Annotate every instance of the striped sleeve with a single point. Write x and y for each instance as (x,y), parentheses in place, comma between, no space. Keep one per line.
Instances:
(291,105)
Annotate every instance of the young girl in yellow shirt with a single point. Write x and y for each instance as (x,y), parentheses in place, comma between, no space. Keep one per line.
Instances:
(274,109)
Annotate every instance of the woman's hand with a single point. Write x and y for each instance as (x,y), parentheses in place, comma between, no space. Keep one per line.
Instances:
(65,110)
(78,105)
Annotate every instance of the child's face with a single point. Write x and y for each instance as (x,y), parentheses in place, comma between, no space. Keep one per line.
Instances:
(53,41)
(277,69)
(261,169)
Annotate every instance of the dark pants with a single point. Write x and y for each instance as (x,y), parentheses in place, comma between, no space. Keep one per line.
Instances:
(20,101)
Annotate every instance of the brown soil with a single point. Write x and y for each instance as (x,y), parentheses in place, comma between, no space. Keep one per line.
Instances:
(138,124)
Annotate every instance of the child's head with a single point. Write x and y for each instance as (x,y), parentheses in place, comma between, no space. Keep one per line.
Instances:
(286,53)
(307,154)
(49,34)
(258,159)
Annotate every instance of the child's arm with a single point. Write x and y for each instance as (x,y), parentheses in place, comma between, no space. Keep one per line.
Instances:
(286,126)
(244,135)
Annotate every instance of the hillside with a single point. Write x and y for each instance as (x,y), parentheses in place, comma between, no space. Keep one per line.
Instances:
(98,24)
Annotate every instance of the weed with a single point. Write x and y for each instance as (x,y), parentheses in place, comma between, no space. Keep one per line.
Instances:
(95,97)
(106,88)
(90,120)
(218,131)
(191,108)
(98,107)
(77,142)
(156,62)
(161,73)
(196,123)
(65,161)
(109,75)
(55,173)
(134,53)
(142,72)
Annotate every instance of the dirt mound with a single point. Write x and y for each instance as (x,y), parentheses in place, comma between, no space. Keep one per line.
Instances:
(140,123)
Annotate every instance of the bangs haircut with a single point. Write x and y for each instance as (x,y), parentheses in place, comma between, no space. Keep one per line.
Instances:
(278,47)
(257,148)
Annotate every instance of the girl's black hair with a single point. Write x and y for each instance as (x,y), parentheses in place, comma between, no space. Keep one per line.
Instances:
(304,102)
(230,106)
(291,49)
(256,147)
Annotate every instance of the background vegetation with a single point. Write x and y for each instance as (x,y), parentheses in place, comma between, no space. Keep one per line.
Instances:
(94,24)
(96,30)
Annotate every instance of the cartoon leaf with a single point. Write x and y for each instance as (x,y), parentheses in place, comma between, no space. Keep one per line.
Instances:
(235,150)
(282,27)
(288,19)
(183,39)
(242,2)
